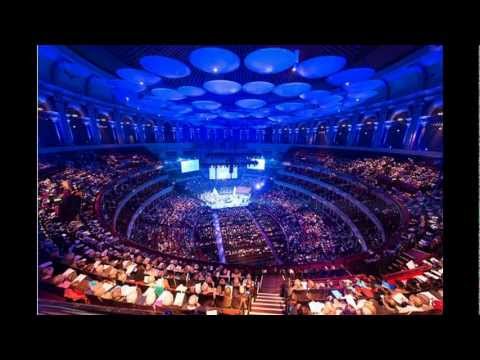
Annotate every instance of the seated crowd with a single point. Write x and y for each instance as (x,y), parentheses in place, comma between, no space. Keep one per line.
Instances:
(367,295)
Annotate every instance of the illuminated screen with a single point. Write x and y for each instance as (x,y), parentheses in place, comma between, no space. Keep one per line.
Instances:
(222,172)
(259,166)
(211,172)
(189,166)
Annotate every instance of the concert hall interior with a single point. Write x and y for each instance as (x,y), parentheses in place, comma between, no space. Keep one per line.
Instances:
(240,179)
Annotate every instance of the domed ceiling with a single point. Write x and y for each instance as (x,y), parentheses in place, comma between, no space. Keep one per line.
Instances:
(239,85)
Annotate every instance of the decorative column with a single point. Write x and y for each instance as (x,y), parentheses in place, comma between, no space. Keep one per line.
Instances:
(415,127)
(117,127)
(419,134)
(331,134)
(96,137)
(179,133)
(379,128)
(354,131)
(309,136)
(66,136)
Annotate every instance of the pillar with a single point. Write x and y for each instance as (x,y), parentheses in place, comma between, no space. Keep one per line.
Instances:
(66,136)
(414,129)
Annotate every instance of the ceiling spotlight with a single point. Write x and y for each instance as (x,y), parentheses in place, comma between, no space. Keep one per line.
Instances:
(347,83)
(215,69)
(127,98)
(142,82)
(294,69)
(357,99)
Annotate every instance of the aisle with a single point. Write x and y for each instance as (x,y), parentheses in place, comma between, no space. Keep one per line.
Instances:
(218,239)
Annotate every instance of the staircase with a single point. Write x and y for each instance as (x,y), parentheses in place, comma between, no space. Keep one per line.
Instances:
(269,301)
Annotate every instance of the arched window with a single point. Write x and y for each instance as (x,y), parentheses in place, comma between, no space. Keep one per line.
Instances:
(431,138)
(186,133)
(342,133)
(268,135)
(321,136)
(106,130)
(284,136)
(48,133)
(149,131)
(302,135)
(396,133)
(129,130)
(366,132)
(168,132)
(81,135)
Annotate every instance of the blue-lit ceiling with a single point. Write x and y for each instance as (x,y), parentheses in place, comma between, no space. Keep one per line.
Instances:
(222,85)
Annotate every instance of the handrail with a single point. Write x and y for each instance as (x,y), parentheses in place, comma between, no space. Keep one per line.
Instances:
(330,206)
(143,206)
(134,192)
(344,195)
(354,181)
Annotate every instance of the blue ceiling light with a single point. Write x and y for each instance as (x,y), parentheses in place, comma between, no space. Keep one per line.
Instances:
(167,94)
(206,105)
(360,96)
(206,116)
(270,60)
(126,85)
(250,103)
(258,87)
(222,87)
(214,60)
(346,77)
(289,106)
(165,66)
(321,66)
(330,101)
(360,86)
(138,76)
(292,89)
(180,109)
(191,91)
(231,115)
(281,118)
(307,113)
(315,96)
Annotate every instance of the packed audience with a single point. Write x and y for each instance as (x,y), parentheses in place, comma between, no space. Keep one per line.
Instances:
(82,260)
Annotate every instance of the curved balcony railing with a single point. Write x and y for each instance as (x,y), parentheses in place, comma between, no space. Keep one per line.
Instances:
(326,204)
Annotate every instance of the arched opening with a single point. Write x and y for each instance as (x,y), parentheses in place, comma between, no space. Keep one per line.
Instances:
(396,133)
(186,133)
(129,130)
(211,135)
(321,136)
(48,134)
(244,135)
(302,135)
(106,131)
(432,137)
(268,135)
(342,133)
(149,131)
(284,136)
(252,135)
(81,135)
(168,132)
(366,132)
(219,134)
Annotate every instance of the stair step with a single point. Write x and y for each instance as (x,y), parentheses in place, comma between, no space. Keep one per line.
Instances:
(265,309)
(268,294)
(262,313)
(270,301)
